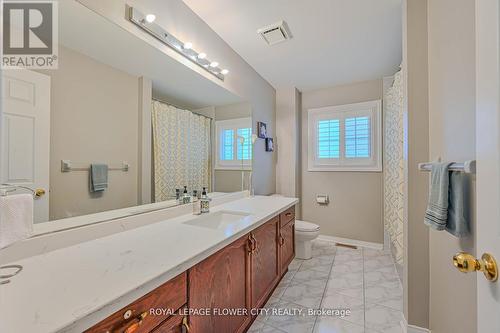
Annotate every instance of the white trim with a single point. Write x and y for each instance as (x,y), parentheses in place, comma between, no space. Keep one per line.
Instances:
(145,176)
(371,109)
(416,329)
(234,167)
(353,242)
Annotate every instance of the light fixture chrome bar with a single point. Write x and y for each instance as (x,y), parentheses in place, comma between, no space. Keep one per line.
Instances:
(171,41)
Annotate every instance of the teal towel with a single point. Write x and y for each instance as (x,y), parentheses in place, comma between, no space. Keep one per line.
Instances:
(98,177)
(436,214)
(459,199)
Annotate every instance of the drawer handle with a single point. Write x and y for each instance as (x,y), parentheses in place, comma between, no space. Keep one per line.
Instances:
(185,324)
(254,243)
(282,240)
(137,322)
(249,245)
(288,214)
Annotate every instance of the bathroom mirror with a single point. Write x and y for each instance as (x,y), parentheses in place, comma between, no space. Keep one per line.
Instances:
(146,123)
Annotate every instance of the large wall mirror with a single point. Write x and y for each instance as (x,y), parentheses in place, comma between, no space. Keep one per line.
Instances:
(118,128)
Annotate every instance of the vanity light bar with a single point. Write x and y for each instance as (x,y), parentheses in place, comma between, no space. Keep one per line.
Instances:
(146,23)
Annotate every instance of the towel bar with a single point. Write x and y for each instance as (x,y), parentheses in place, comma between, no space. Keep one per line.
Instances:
(68,166)
(467,166)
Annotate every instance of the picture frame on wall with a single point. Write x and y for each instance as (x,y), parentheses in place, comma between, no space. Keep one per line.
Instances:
(261,130)
(269,144)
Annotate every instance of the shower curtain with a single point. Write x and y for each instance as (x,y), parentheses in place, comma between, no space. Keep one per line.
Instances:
(394,166)
(181,150)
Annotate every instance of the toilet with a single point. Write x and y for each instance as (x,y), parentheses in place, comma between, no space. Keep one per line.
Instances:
(305,233)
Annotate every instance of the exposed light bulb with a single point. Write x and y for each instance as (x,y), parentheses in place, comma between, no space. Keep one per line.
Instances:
(188,45)
(150,18)
(224,71)
(202,55)
(214,64)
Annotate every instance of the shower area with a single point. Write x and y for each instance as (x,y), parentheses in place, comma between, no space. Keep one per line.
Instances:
(394,176)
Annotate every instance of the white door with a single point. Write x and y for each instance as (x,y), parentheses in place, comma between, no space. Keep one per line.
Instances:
(488,157)
(26,133)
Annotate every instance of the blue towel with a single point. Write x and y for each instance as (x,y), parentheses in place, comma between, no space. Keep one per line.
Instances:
(459,199)
(98,177)
(436,214)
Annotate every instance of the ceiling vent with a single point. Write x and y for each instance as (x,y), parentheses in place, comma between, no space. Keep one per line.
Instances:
(275,33)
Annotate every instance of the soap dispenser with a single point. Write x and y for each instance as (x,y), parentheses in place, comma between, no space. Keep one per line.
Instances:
(185,196)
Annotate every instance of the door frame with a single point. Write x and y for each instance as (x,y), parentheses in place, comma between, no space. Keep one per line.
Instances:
(488,156)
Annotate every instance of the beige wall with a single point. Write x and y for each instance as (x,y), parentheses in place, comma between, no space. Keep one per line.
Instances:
(452,137)
(416,272)
(177,18)
(94,118)
(356,201)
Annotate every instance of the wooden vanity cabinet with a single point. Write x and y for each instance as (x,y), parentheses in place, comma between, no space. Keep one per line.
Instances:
(264,268)
(137,318)
(221,282)
(240,276)
(172,325)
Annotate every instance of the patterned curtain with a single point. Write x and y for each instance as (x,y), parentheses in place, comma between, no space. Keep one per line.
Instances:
(394,166)
(182,151)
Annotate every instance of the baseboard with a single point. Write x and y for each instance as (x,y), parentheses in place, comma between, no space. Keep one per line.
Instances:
(416,329)
(354,242)
(405,328)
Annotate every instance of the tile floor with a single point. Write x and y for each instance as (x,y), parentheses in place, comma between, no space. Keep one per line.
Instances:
(362,280)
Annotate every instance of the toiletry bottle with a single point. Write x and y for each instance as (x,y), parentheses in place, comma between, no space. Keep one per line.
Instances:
(178,195)
(195,196)
(205,201)
(185,197)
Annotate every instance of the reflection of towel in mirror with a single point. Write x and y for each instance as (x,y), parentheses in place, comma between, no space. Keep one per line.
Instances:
(16,218)
(98,177)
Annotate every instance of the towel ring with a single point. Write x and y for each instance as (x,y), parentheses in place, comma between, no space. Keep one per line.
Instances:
(18,269)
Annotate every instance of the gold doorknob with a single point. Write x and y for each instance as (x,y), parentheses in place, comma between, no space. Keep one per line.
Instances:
(467,263)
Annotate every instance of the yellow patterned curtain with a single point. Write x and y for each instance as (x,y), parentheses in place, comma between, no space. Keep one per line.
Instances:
(394,165)
(182,151)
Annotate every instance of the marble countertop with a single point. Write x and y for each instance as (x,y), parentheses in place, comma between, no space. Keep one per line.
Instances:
(72,288)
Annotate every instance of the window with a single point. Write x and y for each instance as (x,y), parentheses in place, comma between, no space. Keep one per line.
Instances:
(345,137)
(234,144)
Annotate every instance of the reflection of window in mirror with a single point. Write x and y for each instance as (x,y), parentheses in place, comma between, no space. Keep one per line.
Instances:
(234,144)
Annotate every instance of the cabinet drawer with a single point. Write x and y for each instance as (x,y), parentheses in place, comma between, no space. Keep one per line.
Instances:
(173,324)
(171,295)
(287,216)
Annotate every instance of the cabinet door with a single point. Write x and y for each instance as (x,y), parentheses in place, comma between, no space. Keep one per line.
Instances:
(264,267)
(287,245)
(221,282)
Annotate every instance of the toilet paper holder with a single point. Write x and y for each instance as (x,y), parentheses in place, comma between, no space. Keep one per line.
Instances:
(323,199)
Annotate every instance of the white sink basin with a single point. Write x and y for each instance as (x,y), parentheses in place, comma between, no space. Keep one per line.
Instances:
(226,220)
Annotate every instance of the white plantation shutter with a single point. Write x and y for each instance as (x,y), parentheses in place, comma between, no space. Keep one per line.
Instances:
(345,137)
(357,137)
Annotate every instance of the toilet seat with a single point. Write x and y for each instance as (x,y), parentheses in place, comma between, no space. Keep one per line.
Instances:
(304,226)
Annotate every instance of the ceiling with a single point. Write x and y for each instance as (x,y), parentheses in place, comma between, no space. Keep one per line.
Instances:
(334,41)
(78,28)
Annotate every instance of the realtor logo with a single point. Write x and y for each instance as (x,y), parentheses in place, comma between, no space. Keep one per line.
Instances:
(29,34)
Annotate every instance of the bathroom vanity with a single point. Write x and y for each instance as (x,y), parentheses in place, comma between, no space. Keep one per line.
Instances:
(238,278)
(160,277)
